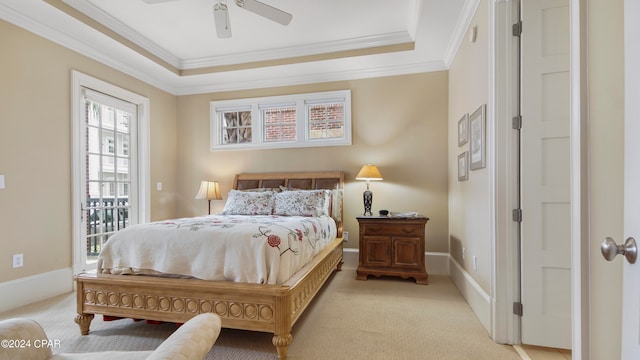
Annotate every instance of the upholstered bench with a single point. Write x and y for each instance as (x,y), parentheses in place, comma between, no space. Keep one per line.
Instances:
(191,341)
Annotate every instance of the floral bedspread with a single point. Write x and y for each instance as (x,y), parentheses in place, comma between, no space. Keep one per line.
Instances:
(259,249)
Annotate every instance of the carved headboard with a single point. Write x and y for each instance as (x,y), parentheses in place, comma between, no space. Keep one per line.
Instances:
(331,180)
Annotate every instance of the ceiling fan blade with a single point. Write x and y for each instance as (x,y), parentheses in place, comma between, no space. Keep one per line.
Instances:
(221,19)
(266,11)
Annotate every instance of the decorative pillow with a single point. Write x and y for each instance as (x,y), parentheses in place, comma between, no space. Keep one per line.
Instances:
(303,203)
(249,203)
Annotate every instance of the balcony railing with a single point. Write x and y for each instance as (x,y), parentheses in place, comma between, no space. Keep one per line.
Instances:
(104,217)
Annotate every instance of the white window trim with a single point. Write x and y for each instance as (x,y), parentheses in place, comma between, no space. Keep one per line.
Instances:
(78,82)
(255,105)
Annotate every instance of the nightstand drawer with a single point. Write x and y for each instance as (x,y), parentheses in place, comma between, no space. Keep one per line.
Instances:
(395,229)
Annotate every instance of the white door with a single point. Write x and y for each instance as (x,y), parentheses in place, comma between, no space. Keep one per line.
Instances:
(110,164)
(545,174)
(631,272)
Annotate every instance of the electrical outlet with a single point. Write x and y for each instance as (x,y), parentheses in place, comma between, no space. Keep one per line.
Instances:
(463,253)
(18,260)
(345,236)
(475,263)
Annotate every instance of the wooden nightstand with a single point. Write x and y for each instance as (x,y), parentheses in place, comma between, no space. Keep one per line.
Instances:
(392,246)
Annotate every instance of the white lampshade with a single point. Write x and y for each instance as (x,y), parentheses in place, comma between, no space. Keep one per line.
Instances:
(209,190)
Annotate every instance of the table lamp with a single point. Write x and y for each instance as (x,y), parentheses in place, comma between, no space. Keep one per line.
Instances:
(209,190)
(368,172)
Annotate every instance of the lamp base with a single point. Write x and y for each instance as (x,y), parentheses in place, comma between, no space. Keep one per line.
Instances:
(367,197)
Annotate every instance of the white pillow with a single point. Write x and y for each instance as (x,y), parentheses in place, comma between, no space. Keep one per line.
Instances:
(302,203)
(249,203)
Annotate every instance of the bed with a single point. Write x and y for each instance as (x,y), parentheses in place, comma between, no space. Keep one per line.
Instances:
(266,307)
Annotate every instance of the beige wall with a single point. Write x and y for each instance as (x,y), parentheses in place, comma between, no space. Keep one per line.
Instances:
(35,149)
(606,170)
(469,201)
(399,123)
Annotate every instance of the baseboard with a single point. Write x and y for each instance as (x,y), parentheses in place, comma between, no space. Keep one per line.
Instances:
(27,290)
(350,258)
(436,263)
(476,297)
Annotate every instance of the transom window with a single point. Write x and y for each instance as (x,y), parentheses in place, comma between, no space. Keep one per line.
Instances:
(326,120)
(279,123)
(236,127)
(300,120)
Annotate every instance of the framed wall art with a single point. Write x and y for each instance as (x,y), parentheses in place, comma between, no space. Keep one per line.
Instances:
(463,166)
(463,130)
(477,134)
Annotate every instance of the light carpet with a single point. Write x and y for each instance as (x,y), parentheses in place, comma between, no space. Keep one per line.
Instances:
(382,318)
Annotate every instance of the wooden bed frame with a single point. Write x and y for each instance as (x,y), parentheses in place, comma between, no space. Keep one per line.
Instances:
(257,307)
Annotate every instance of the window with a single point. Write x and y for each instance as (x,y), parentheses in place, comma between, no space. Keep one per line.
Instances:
(300,120)
(326,120)
(236,127)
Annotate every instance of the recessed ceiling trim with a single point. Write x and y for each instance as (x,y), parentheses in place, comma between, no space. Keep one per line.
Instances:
(80,16)
(249,64)
(369,42)
(115,25)
(415,9)
(312,78)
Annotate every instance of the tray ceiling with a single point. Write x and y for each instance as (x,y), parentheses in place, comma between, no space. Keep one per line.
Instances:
(173,44)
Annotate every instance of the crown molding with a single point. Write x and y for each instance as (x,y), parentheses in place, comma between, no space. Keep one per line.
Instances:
(313,78)
(468,11)
(121,29)
(396,38)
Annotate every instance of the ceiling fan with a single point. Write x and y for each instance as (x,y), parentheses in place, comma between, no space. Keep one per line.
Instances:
(221,13)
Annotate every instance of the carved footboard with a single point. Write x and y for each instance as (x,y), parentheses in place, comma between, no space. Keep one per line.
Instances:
(256,307)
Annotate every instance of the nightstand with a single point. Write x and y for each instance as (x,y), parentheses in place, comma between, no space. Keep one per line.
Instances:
(392,246)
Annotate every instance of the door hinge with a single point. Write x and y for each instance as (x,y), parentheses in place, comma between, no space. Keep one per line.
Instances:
(516,29)
(516,215)
(516,122)
(517,308)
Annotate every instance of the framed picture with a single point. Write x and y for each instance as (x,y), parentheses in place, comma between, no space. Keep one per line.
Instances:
(463,130)
(463,166)
(477,139)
